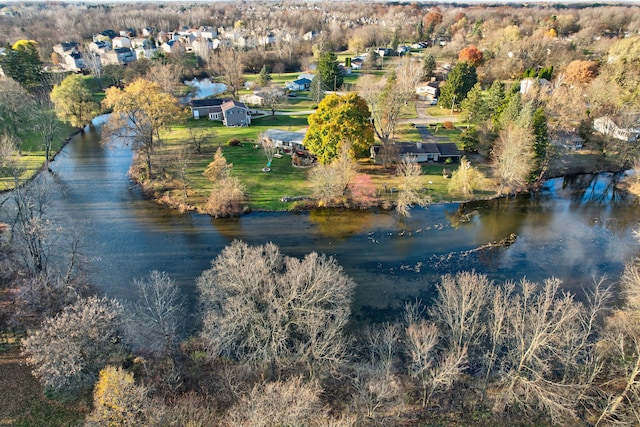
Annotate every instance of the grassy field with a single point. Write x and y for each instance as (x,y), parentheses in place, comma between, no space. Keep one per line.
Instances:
(24,403)
(32,155)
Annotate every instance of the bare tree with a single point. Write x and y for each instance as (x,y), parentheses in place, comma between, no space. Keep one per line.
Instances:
(226,198)
(93,63)
(269,149)
(227,63)
(198,136)
(433,372)
(513,157)
(262,307)
(411,186)
(536,323)
(621,344)
(46,124)
(291,402)
(331,182)
(69,350)
(273,97)
(387,98)
(182,161)
(460,308)
(158,319)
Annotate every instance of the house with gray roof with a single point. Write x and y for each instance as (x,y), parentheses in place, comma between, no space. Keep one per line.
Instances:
(228,111)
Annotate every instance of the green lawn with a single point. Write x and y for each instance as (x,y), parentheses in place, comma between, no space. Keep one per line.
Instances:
(31,158)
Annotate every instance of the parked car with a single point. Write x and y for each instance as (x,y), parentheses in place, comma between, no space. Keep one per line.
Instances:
(434,101)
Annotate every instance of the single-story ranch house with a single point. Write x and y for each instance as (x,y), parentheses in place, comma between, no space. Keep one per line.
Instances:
(286,140)
(425,152)
(228,111)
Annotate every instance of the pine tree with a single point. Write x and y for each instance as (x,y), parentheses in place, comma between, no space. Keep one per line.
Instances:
(264,77)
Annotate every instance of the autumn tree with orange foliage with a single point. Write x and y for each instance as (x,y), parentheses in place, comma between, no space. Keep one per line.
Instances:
(140,111)
(579,71)
(471,55)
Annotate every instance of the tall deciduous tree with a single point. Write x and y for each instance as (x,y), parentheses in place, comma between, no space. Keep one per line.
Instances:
(339,120)
(459,82)
(513,157)
(74,102)
(472,55)
(387,98)
(227,63)
(69,350)
(411,186)
(140,111)
(159,314)
(267,309)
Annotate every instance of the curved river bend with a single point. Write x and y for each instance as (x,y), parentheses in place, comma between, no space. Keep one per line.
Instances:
(576,229)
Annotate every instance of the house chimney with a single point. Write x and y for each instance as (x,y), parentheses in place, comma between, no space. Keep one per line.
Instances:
(419,145)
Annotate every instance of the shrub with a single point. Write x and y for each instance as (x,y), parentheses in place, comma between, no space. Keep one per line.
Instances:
(448,125)
(233,142)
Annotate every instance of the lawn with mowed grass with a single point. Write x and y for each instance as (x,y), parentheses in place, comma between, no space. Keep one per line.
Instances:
(31,157)
(265,189)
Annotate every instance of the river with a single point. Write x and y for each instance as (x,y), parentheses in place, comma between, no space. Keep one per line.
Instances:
(575,229)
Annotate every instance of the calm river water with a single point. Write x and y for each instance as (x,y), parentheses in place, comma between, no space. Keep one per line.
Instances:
(576,229)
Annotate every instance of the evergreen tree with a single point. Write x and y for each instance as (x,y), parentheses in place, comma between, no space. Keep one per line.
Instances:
(474,108)
(541,141)
(459,82)
(428,65)
(264,77)
(328,71)
(22,63)
(371,61)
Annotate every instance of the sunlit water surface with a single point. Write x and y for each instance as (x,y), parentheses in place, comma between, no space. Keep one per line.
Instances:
(576,229)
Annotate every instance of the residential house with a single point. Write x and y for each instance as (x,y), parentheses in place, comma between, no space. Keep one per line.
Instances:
(299,84)
(235,114)
(527,85)
(286,140)
(425,152)
(120,56)
(171,46)
(357,63)
(252,99)
(228,111)
(105,35)
(65,48)
(73,61)
(100,46)
(310,35)
(119,42)
(428,91)
(209,33)
(607,126)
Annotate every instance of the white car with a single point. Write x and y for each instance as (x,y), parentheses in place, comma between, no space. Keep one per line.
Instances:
(434,101)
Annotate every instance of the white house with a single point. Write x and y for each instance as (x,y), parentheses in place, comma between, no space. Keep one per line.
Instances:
(606,126)
(299,84)
(118,42)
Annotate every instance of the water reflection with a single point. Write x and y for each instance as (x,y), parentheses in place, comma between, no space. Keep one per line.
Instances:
(576,228)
